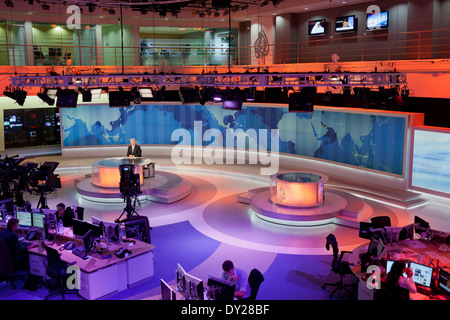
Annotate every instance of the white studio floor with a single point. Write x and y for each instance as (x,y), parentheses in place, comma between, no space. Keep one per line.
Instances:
(212,209)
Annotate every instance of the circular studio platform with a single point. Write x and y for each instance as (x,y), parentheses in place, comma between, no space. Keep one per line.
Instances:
(103,184)
(300,199)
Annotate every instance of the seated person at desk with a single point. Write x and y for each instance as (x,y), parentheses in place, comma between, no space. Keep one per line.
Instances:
(18,251)
(396,278)
(134,150)
(237,277)
(65,215)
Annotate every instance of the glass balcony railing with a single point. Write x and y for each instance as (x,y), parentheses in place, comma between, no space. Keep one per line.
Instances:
(433,44)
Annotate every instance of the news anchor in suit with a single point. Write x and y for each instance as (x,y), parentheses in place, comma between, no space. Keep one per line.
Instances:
(133,149)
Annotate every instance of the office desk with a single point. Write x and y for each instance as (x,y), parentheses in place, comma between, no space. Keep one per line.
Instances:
(98,276)
(420,251)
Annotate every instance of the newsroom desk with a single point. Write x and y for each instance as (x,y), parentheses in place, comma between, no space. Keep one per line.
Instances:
(100,276)
(409,250)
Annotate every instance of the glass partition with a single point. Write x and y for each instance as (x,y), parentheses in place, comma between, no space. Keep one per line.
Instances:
(53,44)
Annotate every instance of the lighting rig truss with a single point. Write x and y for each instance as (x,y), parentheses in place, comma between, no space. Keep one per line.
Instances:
(242,80)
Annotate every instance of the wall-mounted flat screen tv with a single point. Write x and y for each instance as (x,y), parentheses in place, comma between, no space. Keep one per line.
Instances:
(317,27)
(377,20)
(346,24)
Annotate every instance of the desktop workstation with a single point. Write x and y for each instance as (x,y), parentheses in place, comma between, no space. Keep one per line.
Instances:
(189,287)
(109,256)
(424,250)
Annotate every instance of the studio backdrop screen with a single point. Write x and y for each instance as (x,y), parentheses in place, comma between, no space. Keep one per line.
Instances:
(431,161)
(364,140)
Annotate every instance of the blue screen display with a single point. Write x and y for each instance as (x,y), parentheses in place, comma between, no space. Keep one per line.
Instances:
(431,161)
(364,140)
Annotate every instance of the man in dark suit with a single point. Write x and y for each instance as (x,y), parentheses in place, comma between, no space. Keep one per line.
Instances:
(18,251)
(133,149)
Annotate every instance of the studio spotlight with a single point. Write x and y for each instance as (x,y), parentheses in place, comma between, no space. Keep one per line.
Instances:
(18,95)
(302,101)
(121,98)
(146,92)
(189,95)
(328,96)
(91,7)
(232,104)
(250,94)
(44,96)
(87,95)
(66,98)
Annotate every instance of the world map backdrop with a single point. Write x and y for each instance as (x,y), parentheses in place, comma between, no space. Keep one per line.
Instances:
(369,141)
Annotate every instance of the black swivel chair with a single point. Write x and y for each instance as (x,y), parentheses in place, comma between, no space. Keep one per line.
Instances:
(381,221)
(254,280)
(338,266)
(56,269)
(6,266)
(79,213)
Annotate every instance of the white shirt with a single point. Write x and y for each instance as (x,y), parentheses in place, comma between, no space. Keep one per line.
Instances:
(407,283)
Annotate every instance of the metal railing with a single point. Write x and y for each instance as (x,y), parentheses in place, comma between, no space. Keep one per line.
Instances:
(377,46)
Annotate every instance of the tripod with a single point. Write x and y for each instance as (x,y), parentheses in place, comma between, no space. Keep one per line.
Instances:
(129,210)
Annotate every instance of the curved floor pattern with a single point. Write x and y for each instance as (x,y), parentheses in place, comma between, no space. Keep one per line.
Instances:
(210,225)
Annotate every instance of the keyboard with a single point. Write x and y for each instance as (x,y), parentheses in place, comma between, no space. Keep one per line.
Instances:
(79,252)
(423,290)
(25,243)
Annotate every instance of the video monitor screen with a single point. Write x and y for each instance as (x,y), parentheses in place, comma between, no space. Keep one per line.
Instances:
(422,275)
(377,20)
(24,218)
(345,24)
(38,221)
(444,281)
(317,27)
(31,127)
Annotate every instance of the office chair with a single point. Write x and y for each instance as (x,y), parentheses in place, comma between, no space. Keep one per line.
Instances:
(389,292)
(79,213)
(381,221)
(56,269)
(254,280)
(338,266)
(6,266)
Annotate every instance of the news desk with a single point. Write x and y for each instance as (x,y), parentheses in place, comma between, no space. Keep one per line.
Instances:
(99,276)
(417,250)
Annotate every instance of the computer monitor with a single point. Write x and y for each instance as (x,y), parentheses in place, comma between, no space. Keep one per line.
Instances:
(380,249)
(80,228)
(393,233)
(407,232)
(194,288)
(111,230)
(180,274)
(372,245)
(138,228)
(167,293)
(25,218)
(38,220)
(88,240)
(389,264)
(444,281)
(364,230)
(422,275)
(7,207)
(98,222)
(422,224)
(220,289)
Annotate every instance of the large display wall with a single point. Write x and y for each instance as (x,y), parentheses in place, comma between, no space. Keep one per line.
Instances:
(371,141)
(431,159)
